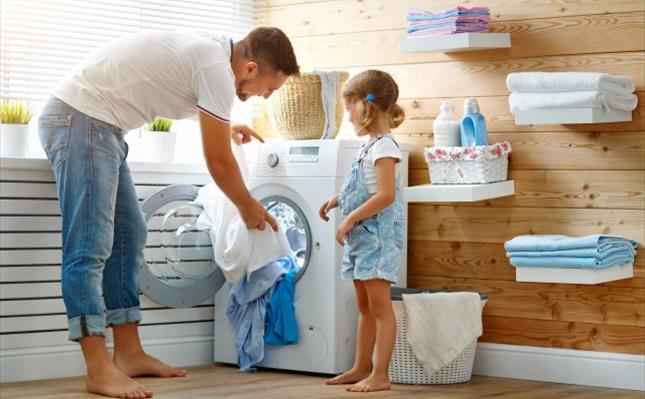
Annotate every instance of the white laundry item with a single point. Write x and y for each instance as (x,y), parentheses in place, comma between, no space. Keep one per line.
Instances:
(237,250)
(329,94)
(441,325)
(572,99)
(548,82)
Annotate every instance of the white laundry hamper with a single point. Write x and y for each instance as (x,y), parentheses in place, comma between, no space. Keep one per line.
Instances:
(405,368)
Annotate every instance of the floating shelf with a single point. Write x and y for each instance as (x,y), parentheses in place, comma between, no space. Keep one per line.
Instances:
(457,42)
(570,115)
(458,192)
(573,276)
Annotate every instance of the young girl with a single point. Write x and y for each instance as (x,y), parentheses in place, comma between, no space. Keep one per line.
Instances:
(372,227)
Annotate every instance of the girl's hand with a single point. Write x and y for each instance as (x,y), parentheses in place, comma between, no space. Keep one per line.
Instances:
(328,206)
(343,229)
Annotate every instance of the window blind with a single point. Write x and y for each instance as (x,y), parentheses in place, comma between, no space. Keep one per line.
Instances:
(42,40)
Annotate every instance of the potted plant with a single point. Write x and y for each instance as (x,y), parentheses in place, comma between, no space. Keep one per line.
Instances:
(14,129)
(160,141)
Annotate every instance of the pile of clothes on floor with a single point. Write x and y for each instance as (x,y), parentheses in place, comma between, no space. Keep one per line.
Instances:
(559,90)
(559,251)
(446,22)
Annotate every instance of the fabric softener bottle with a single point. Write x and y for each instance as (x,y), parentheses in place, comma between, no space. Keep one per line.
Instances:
(473,125)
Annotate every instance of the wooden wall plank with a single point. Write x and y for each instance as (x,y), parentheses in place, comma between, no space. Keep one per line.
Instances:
(483,261)
(570,151)
(497,225)
(559,302)
(340,16)
(567,335)
(563,189)
(420,114)
(488,78)
(529,38)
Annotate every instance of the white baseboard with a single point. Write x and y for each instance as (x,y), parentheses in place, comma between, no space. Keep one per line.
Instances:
(566,366)
(40,363)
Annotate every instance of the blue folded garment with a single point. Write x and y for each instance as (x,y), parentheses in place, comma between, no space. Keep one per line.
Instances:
(436,17)
(573,262)
(561,242)
(624,248)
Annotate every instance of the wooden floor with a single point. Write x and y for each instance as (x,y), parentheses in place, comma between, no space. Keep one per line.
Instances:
(219,381)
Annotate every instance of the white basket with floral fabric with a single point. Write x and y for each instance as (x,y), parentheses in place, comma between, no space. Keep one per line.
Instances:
(468,165)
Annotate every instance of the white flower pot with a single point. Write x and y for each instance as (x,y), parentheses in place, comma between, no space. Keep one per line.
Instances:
(13,140)
(160,146)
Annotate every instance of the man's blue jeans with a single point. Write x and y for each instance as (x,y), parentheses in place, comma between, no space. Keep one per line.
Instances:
(103,229)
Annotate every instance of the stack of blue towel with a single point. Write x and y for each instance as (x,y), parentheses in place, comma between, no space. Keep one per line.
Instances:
(558,251)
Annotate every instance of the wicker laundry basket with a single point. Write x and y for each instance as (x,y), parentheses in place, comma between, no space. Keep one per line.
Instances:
(405,368)
(296,110)
(468,165)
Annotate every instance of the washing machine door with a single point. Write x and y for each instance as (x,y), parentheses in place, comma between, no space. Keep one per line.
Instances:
(179,269)
(291,212)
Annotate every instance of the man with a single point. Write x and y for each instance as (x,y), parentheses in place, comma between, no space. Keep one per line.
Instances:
(120,87)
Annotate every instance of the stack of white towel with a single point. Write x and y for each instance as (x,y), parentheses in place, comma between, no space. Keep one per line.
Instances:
(557,90)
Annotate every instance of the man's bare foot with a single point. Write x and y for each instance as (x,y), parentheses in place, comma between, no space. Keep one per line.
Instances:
(349,377)
(370,384)
(109,381)
(140,364)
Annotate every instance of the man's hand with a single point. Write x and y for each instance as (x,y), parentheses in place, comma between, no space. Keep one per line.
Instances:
(243,134)
(256,216)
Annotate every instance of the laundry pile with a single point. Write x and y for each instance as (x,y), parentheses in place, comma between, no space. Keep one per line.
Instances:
(557,90)
(261,267)
(451,21)
(559,251)
(261,311)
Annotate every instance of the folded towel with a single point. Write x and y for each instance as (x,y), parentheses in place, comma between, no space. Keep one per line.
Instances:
(556,242)
(617,259)
(416,14)
(236,249)
(441,325)
(599,252)
(329,93)
(572,99)
(548,82)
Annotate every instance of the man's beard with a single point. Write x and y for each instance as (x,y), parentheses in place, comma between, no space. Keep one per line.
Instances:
(239,90)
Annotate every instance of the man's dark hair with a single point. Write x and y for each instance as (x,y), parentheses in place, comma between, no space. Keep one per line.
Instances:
(271,48)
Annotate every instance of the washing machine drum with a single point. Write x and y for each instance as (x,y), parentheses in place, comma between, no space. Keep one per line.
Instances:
(179,268)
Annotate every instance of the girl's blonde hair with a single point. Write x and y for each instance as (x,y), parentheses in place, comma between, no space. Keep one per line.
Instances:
(374,92)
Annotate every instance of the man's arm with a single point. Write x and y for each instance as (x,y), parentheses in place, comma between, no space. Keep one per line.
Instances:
(216,142)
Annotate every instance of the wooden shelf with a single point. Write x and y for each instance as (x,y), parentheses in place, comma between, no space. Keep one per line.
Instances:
(458,192)
(570,115)
(573,276)
(457,42)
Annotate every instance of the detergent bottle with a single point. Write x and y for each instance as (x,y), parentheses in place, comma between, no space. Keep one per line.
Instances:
(446,127)
(473,125)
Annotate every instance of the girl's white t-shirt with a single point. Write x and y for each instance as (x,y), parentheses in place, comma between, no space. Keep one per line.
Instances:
(383,148)
(150,74)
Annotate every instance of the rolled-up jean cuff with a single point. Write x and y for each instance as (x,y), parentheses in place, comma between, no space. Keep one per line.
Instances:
(86,325)
(116,317)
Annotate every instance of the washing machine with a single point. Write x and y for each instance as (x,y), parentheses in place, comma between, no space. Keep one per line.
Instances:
(291,179)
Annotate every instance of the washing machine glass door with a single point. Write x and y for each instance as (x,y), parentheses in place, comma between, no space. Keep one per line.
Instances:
(179,270)
(294,223)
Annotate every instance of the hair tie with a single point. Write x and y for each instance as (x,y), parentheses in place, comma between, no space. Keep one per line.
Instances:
(370,97)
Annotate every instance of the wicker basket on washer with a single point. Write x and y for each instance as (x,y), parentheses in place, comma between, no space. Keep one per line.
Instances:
(296,110)
(405,368)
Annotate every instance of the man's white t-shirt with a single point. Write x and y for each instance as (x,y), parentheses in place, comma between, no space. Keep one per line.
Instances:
(383,148)
(150,74)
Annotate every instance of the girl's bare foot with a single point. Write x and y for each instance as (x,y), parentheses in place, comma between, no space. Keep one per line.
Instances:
(370,384)
(140,364)
(109,381)
(349,377)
